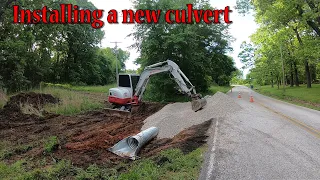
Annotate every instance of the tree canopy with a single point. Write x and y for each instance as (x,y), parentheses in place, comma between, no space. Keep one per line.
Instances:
(288,36)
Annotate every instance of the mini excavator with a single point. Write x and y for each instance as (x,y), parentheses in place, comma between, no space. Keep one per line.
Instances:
(128,95)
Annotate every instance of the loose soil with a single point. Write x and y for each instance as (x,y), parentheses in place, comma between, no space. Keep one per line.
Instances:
(85,138)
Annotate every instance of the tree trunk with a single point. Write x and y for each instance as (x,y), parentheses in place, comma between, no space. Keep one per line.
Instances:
(306,63)
(278,82)
(291,75)
(288,80)
(272,83)
(308,75)
(296,75)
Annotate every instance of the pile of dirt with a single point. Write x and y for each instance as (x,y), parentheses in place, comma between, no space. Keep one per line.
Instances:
(176,117)
(34,99)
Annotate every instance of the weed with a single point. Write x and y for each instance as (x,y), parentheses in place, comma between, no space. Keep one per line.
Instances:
(14,171)
(5,154)
(5,151)
(20,149)
(19,171)
(51,144)
(95,172)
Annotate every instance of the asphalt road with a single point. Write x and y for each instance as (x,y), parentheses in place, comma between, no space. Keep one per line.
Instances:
(267,139)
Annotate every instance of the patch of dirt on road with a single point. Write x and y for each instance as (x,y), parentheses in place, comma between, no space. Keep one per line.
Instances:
(85,138)
(187,140)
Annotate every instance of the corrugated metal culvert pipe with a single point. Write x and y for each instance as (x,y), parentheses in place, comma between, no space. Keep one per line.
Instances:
(130,146)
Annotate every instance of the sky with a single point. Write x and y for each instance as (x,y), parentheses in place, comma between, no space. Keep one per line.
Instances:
(241,28)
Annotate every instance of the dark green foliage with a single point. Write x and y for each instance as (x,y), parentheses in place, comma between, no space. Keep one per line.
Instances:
(52,53)
(288,36)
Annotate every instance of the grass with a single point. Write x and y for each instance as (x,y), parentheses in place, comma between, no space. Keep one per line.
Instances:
(169,164)
(71,102)
(175,165)
(101,89)
(51,144)
(303,96)
(223,89)
(98,89)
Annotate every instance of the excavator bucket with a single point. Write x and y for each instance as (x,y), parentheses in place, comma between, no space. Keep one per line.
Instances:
(198,104)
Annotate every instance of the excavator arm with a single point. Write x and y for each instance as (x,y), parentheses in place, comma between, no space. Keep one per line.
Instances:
(180,78)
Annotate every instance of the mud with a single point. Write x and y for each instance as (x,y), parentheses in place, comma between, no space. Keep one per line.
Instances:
(85,138)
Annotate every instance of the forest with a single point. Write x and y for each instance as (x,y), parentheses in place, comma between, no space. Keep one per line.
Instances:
(58,53)
(286,47)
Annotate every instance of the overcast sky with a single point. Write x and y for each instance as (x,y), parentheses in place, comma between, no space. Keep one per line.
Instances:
(240,29)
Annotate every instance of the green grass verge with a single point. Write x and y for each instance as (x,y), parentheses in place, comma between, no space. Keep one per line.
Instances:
(98,89)
(223,89)
(169,164)
(72,102)
(303,96)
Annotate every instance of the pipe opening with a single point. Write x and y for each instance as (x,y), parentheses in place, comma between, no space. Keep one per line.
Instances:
(133,143)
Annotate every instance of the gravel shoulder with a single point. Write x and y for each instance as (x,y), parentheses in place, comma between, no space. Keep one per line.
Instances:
(176,117)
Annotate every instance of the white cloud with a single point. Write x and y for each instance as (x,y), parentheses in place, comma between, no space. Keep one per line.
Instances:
(240,29)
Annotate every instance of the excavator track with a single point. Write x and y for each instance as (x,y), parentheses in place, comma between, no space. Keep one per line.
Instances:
(117,112)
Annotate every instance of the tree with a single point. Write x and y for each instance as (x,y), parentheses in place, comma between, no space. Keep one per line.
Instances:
(198,49)
(298,21)
(247,54)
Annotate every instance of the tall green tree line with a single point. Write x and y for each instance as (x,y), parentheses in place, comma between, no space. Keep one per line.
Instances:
(199,49)
(288,40)
(60,53)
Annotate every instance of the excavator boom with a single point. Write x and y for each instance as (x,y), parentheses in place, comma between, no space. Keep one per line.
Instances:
(180,78)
